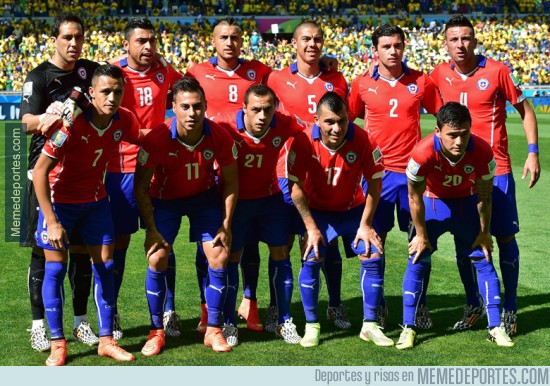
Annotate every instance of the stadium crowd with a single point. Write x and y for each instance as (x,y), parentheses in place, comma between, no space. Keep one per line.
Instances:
(521,43)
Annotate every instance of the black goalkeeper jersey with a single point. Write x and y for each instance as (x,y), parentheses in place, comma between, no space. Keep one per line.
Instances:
(46,84)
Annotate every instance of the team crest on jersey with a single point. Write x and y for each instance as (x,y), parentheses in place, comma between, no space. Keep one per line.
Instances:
(351,157)
(44,237)
(277,141)
(468,169)
(251,74)
(329,87)
(413,88)
(58,138)
(483,84)
(413,167)
(82,72)
(377,155)
(117,135)
(160,77)
(142,156)
(208,154)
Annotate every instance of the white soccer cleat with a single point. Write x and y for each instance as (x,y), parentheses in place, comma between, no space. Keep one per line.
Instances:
(372,332)
(84,334)
(117,330)
(170,322)
(500,337)
(287,331)
(39,339)
(231,334)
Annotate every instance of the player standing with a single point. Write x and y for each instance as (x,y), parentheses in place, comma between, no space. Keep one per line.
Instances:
(68,179)
(225,79)
(175,177)
(147,84)
(260,132)
(52,81)
(388,98)
(299,88)
(450,176)
(325,168)
(484,86)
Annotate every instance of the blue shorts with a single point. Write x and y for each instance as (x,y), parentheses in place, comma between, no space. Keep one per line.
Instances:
(203,210)
(460,217)
(344,224)
(504,220)
(93,221)
(395,196)
(267,215)
(120,188)
(283,185)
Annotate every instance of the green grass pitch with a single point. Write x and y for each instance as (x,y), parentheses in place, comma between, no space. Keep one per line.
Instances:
(439,346)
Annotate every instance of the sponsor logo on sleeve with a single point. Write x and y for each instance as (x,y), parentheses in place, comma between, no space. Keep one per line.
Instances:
(27,91)
(235,151)
(377,155)
(58,138)
(514,79)
(413,167)
(492,166)
(142,156)
(291,157)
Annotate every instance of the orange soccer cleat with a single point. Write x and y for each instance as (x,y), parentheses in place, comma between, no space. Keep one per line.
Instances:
(108,347)
(203,323)
(155,343)
(214,338)
(248,310)
(58,353)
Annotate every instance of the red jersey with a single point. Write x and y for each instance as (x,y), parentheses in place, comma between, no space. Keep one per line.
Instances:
(258,156)
(391,111)
(145,95)
(299,95)
(333,178)
(83,153)
(485,92)
(446,179)
(183,171)
(225,89)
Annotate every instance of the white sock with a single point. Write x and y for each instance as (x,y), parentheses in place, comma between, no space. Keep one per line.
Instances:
(37,323)
(79,319)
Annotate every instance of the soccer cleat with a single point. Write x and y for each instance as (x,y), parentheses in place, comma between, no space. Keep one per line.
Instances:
(471,315)
(500,337)
(423,319)
(155,343)
(372,332)
(84,333)
(203,323)
(510,321)
(58,354)
(231,334)
(108,347)
(170,322)
(117,330)
(272,319)
(311,335)
(39,339)
(406,339)
(287,331)
(214,338)
(382,316)
(248,310)
(337,315)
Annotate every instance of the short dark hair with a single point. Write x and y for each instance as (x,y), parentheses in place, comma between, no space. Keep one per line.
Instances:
(65,18)
(188,84)
(136,23)
(259,90)
(453,114)
(332,101)
(458,20)
(387,30)
(307,23)
(108,70)
(227,21)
